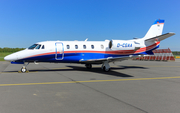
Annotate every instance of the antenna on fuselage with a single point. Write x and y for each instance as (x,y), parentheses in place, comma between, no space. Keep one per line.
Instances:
(86,39)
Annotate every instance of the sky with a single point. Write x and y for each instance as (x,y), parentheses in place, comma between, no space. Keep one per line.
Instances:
(25,22)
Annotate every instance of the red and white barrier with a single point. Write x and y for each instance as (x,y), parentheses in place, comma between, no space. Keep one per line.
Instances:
(159,55)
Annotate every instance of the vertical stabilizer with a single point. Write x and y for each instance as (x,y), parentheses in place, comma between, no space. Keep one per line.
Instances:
(155,29)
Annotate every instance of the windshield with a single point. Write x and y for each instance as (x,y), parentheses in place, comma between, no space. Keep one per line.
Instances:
(33,46)
(38,47)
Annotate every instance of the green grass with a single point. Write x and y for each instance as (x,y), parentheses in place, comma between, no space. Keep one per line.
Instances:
(176,55)
(2,55)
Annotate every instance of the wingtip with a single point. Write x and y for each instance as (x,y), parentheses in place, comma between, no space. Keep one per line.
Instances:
(172,33)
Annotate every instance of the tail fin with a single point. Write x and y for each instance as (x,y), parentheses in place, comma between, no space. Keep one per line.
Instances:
(155,30)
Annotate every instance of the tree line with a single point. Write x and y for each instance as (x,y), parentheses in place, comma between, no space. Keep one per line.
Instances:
(6,49)
(176,52)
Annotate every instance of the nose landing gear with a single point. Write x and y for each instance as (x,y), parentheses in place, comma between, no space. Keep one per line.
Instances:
(24,69)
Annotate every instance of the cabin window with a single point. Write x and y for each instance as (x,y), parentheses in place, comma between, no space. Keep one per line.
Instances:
(38,47)
(33,46)
(92,46)
(68,47)
(102,46)
(76,46)
(43,47)
(84,46)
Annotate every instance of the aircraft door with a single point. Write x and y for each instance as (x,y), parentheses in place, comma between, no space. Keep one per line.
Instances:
(59,51)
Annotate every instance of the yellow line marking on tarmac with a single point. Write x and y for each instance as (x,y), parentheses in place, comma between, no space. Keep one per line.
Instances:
(89,81)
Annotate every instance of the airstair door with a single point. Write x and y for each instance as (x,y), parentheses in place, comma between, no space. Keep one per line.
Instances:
(59,51)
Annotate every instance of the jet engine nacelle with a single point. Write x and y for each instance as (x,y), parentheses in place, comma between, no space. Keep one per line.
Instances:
(121,45)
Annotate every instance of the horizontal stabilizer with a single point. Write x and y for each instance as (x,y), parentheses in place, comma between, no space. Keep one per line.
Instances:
(160,37)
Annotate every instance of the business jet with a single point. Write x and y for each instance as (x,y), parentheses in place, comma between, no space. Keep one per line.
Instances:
(91,52)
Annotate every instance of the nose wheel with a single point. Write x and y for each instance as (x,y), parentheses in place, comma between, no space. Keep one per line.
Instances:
(24,69)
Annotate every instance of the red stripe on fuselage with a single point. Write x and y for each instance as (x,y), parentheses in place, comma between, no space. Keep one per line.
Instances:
(42,54)
(147,48)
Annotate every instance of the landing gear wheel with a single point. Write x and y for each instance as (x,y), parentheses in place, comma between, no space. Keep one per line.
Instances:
(88,66)
(23,70)
(106,69)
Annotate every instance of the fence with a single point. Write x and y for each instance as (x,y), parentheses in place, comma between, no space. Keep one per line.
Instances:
(159,55)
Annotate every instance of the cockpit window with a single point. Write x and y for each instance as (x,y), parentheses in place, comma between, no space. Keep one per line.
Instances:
(33,46)
(38,47)
(43,47)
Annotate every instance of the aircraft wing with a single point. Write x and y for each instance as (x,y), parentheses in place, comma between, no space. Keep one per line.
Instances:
(161,37)
(110,59)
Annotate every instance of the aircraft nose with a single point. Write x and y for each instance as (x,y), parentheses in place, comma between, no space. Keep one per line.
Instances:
(10,57)
(7,58)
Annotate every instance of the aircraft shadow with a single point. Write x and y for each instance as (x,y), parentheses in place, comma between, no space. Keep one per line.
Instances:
(130,67)
(100,71)
(112,72)
(94,70)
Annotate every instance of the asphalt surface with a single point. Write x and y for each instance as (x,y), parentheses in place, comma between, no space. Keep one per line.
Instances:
(130,87)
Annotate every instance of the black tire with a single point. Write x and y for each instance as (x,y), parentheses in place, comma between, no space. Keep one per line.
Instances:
(88,66)
(106,70)
(23,70)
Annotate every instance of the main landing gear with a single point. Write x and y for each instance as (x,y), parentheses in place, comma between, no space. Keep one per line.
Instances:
(24,69)
(105,66)
(88,66)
